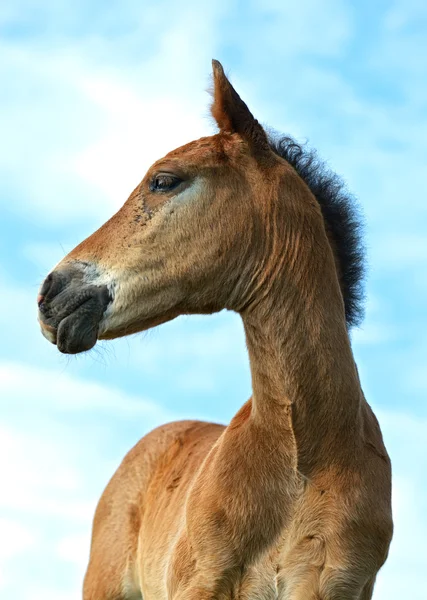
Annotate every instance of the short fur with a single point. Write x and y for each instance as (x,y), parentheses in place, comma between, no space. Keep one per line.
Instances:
(342,217)
(292,500)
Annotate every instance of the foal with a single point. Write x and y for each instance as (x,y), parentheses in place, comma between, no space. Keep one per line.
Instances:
(292,499)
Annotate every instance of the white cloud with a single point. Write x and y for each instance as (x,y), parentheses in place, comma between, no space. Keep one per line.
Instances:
(47,480)
(199,347)
(404,573)
(15,538)
(62,392)
(90,132)
(92,95)
(133,138)
(61,439)
(197,352)
(15,541)
(74,548)
(47,593)
(50,465)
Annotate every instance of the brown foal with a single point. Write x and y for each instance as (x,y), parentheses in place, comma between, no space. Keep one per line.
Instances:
(292,500)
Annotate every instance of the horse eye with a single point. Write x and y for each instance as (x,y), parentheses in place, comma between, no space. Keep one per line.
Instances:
(164,182)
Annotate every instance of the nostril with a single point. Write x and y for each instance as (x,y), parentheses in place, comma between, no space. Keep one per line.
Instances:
(47,283)
(52,285)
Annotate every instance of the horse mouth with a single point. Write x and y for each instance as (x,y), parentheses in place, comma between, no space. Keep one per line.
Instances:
(48,331)
(71,318)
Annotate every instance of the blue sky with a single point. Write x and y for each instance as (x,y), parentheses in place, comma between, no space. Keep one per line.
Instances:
(93,93)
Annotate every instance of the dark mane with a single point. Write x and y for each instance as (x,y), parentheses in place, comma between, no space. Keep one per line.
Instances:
(342,220)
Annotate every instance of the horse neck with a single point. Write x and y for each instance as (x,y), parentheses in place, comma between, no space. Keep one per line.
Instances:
(304,377)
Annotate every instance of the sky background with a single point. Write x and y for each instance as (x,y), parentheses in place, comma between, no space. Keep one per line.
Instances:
(91,94)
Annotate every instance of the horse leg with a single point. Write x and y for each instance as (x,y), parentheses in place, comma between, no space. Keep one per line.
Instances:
(109,575)
(102,585)
(111,571)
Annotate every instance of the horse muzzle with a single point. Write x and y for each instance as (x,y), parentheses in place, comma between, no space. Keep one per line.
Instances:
(71,309)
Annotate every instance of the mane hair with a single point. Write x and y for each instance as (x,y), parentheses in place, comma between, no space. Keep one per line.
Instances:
(342,218)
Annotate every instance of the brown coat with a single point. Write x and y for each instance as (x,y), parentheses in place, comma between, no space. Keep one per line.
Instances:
(292,500)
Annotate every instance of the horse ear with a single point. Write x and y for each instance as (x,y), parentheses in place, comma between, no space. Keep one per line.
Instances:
(232,115)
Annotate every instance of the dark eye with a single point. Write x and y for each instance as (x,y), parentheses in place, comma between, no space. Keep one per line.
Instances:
(164,182)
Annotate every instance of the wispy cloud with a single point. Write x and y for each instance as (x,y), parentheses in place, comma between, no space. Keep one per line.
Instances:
(59,447)
(92,94)
(404,574)
(91,130)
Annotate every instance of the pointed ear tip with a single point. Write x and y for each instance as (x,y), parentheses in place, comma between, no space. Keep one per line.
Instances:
(217,67)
